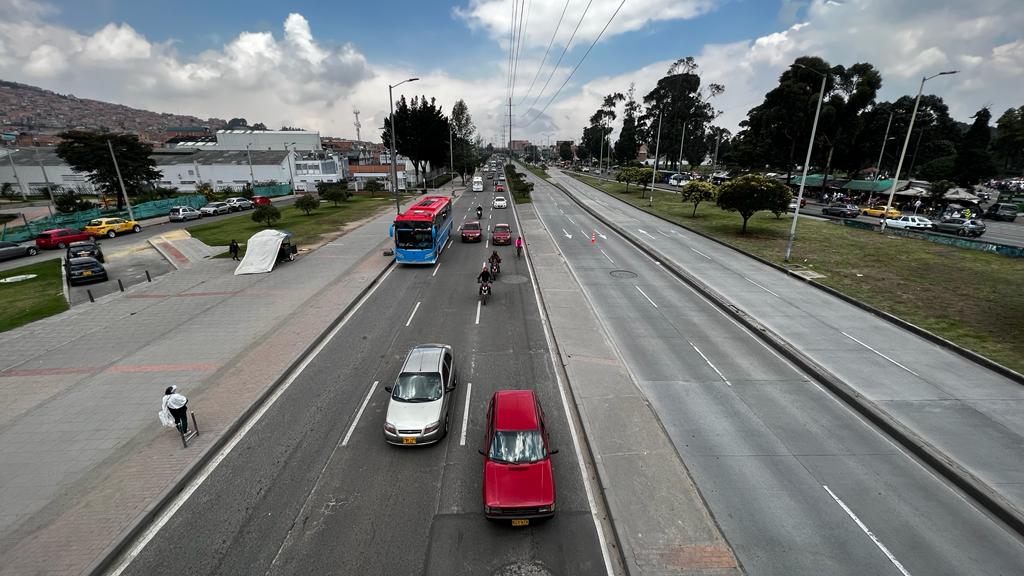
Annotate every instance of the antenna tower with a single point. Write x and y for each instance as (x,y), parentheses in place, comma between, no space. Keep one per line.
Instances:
(358,126)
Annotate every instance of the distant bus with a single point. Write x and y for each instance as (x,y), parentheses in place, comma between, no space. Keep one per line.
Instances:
(422,231)
(478,184)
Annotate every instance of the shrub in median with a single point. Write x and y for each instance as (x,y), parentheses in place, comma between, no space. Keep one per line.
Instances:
(266,214)
(307,203)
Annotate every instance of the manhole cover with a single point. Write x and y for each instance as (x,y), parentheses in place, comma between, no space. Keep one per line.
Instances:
(512,279)
(622,274)
(18,278)
(523,569)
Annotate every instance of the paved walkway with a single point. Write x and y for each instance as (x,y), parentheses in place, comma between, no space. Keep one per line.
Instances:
(82,454)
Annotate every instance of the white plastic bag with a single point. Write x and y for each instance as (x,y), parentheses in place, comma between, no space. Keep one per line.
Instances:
(166,419)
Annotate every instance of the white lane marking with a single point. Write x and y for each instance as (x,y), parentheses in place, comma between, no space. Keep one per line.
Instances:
(603,237)
(435,270)
(761,287)
(713,367)
(701,253)
(608,257)
(414,309)
(880,354)
(478,311)
(465,414)
(677,233)
(567,235)
(194,485)
(487,243)
(645,295)
(664,234)
(359,414)
(874,538)
(646,234)
(450,242)
(569,218)
(553,356)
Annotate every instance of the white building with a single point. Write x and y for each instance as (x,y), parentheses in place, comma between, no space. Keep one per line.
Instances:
(257,140)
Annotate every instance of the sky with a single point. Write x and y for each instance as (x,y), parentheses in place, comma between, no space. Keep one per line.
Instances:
(311,64)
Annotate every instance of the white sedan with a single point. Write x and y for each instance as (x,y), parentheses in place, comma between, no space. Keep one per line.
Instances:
(909,223)
(500,202)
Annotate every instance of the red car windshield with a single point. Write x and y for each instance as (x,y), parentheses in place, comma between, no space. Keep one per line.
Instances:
(502,230)
(517,447)
(471,226)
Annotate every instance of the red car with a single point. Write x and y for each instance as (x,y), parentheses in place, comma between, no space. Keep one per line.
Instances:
(499,188)
(502,234)
(60,237)
(472,232)
(260,201)
(519,483)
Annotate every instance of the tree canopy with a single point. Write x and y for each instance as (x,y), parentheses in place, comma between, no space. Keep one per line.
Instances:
(90,152)
(752,193)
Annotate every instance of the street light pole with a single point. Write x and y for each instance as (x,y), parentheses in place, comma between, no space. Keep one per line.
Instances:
(291,175)
(807,162)
(131,215)
(657,145)
(885,140)
(451,150)
(394,135)
(906,141)
(252,177)
(10,157)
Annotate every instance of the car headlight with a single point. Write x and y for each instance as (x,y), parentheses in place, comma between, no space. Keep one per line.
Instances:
(390,428)
(432,427)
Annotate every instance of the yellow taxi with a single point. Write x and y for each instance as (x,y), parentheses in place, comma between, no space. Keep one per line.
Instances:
(876,212)
(111,227)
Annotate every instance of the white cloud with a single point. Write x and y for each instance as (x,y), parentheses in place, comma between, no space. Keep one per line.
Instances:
(45,61)
(115,45)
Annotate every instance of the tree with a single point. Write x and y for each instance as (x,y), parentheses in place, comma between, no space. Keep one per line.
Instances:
(89,152)
(463,129)
(373,185)
(565,151)
(333,191)
(752,193)
(624,176)
(7,190)
(697,191)
(420,126)
(307,203)
(266,214)
(680,100)
(1009,140)
(627,147)
(259,126)
(973,162)
(939,189)
(237,124)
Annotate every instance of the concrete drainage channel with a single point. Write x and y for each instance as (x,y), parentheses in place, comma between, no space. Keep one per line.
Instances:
(993,502)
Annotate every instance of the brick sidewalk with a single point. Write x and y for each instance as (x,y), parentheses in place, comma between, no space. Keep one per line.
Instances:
(82,454)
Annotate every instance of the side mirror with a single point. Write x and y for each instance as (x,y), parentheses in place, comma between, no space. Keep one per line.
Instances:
(552,452)
(389,389)
(481,451)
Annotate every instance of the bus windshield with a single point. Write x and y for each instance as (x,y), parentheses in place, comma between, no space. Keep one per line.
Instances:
(413,235)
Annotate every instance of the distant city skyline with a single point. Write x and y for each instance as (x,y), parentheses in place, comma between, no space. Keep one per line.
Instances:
(309,65)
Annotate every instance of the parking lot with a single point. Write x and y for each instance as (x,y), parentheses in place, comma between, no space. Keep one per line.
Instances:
(129,264)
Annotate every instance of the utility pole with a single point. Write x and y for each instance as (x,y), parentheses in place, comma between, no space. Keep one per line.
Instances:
(131,215)
(657,145)
(357,125)
(10,157)
(878,167)
(252,177)
(49,188)
(510,130)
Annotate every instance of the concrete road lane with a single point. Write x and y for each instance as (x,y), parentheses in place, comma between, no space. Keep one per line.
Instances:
(314,489)
(798,482)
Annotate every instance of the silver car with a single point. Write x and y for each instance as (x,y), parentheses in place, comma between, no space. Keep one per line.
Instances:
(14,250)
(238,203)
(422,397)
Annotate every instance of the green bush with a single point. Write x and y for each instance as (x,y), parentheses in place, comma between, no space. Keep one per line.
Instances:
(266,214)
(307,203)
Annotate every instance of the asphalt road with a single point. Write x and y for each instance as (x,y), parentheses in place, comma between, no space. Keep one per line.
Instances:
(298,495)
(798,482)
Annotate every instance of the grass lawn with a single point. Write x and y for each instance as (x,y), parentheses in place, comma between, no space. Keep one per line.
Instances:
(540,172)
(31,300)
(969,297)
(306,229)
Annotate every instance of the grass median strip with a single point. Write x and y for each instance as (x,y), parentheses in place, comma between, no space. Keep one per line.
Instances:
(305,229)
(966,296)
(33,299)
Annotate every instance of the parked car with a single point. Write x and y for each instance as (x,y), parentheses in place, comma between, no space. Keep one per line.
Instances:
(111,227)
(519,483)
(502,234)
(841,210)
(15,250)
(88,247)
(879,210)
(471,231)
(960,226)
(214,208)
(500,202)
(678,180)
(261,201)
(422,396)
(84,269)
(239,203)
(792,203)
(60,237)
(183,214)
(1002,211)
(909,223)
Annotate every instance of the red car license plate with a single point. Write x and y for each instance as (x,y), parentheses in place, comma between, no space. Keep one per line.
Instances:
(521,522)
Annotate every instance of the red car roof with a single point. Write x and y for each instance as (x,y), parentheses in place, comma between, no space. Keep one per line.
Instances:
(515,410)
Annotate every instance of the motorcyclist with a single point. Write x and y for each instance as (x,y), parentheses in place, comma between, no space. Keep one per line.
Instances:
(495,259)
(479,212)
(484,277)
(519,245)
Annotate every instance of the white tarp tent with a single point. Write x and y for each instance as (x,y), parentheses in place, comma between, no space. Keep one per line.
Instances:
(960,195)
(261,252)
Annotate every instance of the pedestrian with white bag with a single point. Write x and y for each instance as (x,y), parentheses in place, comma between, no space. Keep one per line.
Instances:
(174,410)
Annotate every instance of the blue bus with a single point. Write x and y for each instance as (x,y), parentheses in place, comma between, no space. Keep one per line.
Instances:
(422,231)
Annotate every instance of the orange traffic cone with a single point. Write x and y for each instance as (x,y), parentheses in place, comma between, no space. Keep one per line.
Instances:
(593,237)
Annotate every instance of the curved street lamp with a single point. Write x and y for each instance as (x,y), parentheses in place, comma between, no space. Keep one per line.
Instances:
(807,162)
(394,133)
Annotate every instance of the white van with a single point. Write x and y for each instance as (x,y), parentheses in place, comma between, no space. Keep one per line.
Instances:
(478,184)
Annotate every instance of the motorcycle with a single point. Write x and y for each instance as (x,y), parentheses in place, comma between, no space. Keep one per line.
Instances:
(479,213)
(485,292)
(495,269)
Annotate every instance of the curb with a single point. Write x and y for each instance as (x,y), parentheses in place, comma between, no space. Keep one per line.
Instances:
(930,336)
(945,466)
(162,252)
(114,552)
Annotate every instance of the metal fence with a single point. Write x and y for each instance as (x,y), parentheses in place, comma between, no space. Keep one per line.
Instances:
(143,211)
(271,191)
(958,241)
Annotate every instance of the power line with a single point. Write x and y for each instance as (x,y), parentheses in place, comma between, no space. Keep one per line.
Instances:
(519,45)
(567,44)
(546,50)
(555,95)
